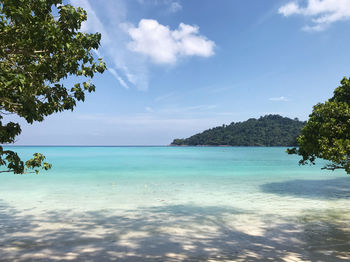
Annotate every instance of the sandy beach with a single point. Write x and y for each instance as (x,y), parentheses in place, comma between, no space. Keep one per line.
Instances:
(172,233)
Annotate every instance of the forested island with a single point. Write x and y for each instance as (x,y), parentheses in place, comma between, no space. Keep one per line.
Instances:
(269,130)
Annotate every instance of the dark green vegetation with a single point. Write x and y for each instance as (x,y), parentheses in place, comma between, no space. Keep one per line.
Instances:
(40,45)
(326,134)
(270,130)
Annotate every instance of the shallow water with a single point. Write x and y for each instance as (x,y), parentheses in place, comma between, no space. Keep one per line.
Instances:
(174,203)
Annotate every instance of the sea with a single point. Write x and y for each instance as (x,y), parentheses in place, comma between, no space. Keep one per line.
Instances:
(174,204)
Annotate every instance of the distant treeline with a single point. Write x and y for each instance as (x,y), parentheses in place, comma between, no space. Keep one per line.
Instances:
(269,130)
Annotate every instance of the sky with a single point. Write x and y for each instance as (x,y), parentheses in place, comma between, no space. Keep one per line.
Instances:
(178,67)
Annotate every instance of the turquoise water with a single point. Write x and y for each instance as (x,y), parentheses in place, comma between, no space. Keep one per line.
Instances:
(130,177)
(250,189)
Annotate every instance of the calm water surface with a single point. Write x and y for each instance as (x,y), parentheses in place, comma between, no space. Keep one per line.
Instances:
(256,178)
(250,190)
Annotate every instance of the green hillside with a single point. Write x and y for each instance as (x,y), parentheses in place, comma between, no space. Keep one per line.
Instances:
(269,130)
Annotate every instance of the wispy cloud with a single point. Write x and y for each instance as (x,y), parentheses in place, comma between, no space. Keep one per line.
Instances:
(93,24)
(108,40)
(322,12)
(164,97)
(171,6)
(279,99)
(116,75)
(105,17)
(149,109)
(196,109)
(175,7)
(166,46)
(125,47)
(184,111)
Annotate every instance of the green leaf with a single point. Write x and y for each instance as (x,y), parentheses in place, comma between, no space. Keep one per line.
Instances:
(39,51)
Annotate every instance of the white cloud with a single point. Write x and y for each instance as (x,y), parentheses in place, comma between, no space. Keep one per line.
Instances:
(289,9)
(279,99)
(166,46)
(110,18)
(322,12)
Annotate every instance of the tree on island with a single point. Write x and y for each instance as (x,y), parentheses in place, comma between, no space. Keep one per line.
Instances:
(326,134)
(269,130)
(40,46)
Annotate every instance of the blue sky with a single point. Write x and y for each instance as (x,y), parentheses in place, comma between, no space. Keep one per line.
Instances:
(177,67)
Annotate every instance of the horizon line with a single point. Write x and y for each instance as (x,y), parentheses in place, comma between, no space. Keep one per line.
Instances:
(87,145)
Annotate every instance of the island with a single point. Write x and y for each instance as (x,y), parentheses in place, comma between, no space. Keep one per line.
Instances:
(268,130)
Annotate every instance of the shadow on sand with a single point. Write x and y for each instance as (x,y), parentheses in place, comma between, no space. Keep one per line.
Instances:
(338,188)
(171,233)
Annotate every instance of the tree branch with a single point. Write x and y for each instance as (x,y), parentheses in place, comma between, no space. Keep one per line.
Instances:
(332,167)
